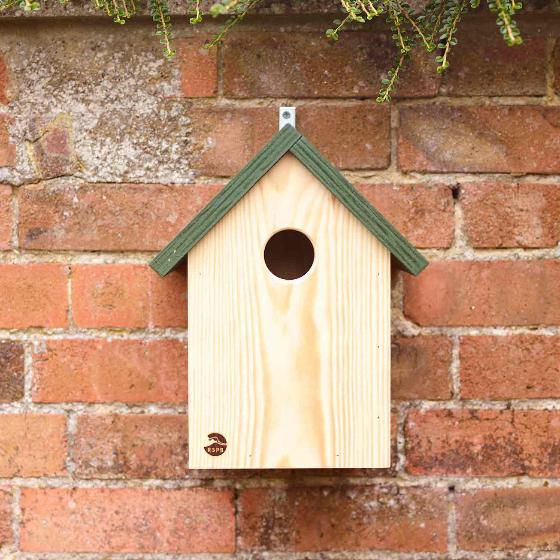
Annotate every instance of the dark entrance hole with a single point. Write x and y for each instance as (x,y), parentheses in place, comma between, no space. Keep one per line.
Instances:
(289,254)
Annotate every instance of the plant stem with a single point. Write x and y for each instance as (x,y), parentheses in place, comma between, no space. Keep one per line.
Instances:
(452,29)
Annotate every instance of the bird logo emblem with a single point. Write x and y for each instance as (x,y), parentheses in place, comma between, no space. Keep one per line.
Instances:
(217,444)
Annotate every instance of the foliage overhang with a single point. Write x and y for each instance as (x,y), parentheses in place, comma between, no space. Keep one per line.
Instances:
(432,27)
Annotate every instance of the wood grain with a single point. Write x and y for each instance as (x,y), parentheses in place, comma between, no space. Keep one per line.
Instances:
(295,374)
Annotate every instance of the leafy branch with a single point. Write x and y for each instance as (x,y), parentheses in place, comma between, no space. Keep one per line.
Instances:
(390,81)
(506,9)
(160,15)
(452,15)
(237,9)
(435,27)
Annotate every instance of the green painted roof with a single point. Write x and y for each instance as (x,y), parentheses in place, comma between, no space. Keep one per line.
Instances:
(288,140)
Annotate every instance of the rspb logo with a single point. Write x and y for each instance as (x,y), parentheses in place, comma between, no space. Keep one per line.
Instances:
(217,444)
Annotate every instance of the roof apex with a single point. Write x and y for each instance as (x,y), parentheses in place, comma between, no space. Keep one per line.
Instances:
(288,139)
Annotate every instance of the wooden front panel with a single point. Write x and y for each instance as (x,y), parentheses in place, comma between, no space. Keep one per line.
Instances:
(293,373)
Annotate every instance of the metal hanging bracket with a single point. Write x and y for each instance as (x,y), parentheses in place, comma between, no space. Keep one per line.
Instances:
(286,115)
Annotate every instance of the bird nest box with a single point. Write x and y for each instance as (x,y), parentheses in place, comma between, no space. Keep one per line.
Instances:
(289,285)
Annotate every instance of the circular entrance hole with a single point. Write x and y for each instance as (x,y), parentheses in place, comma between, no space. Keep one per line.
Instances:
(289,254)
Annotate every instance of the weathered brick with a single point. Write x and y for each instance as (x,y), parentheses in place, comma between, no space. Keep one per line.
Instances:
(33,295)
(342,519)
(52,150)
(509,519)
(365,127)
(510,367)
(98,370)
(130,446)
(4,82)
(7,149)
(199,68)
(6,535)
(127,295)
(500,138)
(213,130)
(418,78)
(423,214)
(483,442)
(455,293)
(32,445)
(11,371)
(106,217)
(5,216)
(556,67)
(305,64)
(485,65)
(186,520)
(420,368)
(511,215)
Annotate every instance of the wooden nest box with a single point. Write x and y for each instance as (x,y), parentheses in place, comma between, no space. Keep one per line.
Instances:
(289,284)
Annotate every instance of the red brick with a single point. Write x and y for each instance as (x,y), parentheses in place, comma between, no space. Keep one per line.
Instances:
(32,445)
(510,367)
(556,67)
(199,68)
(4,82)
(128,295)
(423,214)
(343,519)
(506,139)
(53,149)
(98,370)
(420,368)
(365,127)
(509,519)
(306,64)
(186,520)
(7,149)
(106,217)
(213,131)
(11,371)
(455,293)
(33,295)
(483,442)
(485,65)
(6,535)
(5,215)
(511,215)
(279,64)
(131,446)
(418,78)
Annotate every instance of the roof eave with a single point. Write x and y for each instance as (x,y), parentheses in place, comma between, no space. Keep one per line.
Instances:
(289,140)
(169,257)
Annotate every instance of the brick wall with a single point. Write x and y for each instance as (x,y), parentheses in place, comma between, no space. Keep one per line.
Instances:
(107,151)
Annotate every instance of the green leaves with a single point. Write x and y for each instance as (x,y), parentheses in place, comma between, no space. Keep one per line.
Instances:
(237,9)
(119,10)
(332,34)
(506,9)
(30,5)
(452,13)
(390,82)
(198,14)
(357,11)
(434,28)
(160,15)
